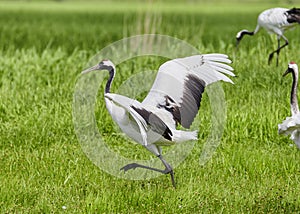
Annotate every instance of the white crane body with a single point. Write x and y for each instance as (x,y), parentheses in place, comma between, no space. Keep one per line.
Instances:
(275,21)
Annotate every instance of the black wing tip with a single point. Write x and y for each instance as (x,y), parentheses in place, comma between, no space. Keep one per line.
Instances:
(184,112)
(193,90)
(294,9)
(293,15)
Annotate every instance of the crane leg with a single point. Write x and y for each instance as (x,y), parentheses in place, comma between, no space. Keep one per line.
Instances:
(278,50)
(167,170)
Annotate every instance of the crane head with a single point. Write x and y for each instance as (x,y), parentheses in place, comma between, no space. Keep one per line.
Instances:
(239,37)
(103,65)
(291,68)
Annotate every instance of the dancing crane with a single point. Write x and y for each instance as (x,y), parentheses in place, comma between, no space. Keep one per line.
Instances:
(291,125)
(174,99)
(276,21)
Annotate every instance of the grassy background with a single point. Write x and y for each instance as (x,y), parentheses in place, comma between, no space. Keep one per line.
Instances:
(43,48)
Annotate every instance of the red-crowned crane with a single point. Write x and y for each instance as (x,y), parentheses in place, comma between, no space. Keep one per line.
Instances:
(173,99)
(276,21)
(292,124)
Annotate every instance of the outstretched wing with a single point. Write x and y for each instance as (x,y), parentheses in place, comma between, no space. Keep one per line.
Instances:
(179,84)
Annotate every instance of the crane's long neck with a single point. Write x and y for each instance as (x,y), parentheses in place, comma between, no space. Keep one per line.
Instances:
(242,33)
(294,100)
(111,78)
(246,32)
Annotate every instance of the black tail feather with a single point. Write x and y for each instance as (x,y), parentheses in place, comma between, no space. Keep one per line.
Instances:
(293,15)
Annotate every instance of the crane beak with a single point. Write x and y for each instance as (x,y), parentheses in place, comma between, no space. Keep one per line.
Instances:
(95,67)
(286,72)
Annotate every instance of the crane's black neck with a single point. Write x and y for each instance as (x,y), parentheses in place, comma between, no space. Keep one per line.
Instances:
(111,71)
(250,33)
(294,100)
(243,33)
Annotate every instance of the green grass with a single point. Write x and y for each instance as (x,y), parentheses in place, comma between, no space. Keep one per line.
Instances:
(43,48)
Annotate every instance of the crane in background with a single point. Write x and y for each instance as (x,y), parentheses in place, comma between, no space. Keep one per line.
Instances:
(275,21)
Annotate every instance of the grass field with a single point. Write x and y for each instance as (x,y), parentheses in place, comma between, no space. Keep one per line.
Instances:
(43,48)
